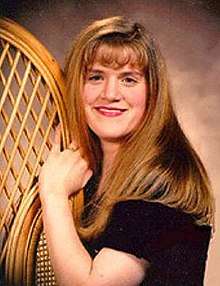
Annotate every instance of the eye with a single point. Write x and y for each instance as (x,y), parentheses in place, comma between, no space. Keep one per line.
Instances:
(94,78)
(129,81)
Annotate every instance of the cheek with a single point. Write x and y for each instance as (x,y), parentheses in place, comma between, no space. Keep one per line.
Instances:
(138,99)
(140,102)
(86,96)
(89,95)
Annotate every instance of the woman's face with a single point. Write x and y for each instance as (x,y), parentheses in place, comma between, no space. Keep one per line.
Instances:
(114,100)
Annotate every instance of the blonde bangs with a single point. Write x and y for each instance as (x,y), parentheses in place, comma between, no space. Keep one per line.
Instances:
(116,55)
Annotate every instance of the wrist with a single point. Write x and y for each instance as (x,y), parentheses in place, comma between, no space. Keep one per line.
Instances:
(57,195)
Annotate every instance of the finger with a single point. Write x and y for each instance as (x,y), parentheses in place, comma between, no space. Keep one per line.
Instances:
(73,146)
(57,140)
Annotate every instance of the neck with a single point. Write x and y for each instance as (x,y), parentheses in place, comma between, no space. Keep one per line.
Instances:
(110,150)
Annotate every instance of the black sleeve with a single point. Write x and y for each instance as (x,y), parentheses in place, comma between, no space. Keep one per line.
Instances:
(145,229)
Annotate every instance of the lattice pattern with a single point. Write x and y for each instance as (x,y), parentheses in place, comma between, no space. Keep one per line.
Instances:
(27,116)
(44,274)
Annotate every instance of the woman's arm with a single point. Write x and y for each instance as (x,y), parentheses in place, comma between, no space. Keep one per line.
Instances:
(64,173)
(72,263)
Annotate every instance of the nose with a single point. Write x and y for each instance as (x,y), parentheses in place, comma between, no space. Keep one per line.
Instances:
(111,90)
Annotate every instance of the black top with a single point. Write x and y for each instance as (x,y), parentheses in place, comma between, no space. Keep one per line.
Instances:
(174,245)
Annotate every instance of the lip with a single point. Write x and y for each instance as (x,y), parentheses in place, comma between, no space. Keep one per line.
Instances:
(110,111)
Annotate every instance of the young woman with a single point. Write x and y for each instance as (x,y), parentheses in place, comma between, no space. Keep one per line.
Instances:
(148,205)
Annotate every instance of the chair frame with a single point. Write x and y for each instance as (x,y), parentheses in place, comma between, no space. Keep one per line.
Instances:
(19,252)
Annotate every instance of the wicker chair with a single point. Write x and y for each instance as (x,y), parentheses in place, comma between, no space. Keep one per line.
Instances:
(31,103)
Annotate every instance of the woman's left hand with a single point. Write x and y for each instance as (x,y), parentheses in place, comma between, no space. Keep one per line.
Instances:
(64,172)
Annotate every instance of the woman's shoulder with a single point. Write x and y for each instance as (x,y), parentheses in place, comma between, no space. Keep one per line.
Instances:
(146,229)
(155,216)
(148,209)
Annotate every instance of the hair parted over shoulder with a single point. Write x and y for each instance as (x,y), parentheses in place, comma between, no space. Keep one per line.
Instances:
(162,166)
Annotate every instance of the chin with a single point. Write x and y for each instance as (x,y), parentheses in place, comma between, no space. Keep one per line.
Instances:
(112,137)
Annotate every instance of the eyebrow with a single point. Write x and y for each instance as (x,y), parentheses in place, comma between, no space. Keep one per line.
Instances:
(136,73)
(95,71)
(125,73)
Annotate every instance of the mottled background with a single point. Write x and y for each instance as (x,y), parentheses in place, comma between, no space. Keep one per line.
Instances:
(189,36)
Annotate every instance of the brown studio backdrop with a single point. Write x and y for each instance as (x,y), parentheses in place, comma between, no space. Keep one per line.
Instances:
(188,33)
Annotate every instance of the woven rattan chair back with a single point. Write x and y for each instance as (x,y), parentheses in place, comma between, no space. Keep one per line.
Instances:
(31,104)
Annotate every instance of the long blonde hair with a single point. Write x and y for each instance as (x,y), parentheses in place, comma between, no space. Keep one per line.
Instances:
(162,166)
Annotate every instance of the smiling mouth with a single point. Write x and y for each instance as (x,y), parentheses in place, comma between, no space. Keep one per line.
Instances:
(110,111)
